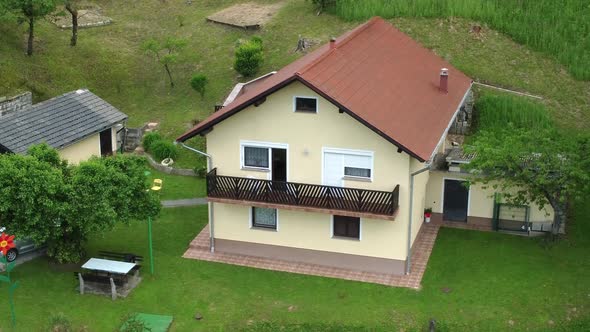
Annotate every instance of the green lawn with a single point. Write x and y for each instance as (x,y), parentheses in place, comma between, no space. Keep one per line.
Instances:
(177,186)
(491,279)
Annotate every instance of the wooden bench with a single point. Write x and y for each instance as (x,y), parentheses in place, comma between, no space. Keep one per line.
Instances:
(125,257)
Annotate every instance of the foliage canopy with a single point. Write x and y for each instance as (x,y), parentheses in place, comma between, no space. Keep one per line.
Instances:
(49,201)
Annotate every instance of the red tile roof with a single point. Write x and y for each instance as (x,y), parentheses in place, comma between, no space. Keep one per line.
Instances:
(379,76)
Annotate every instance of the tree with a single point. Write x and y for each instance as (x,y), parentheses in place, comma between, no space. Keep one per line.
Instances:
(249,57)
(72,8)
(165,53)
(49,201)
(198,83)
(533,166)
(31,10)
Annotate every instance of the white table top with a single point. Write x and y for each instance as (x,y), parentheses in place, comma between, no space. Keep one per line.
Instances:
(107,265)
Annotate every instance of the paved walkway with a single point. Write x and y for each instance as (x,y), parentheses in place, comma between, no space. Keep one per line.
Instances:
(184,202)
(199,249)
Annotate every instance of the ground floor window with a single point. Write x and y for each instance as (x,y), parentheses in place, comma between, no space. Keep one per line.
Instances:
(265,218)
(349,227)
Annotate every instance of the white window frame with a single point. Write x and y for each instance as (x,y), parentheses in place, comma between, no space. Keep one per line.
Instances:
(269,146)
(362,153)
(335,237)
(317,104)
(251,221)
(442,195)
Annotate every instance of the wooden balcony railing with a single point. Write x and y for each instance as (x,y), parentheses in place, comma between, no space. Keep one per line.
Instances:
(302,194)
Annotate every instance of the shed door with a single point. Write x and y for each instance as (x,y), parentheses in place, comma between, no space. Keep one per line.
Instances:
(106,142)
(455,200)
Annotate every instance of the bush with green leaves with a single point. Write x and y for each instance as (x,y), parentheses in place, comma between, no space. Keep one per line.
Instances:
(150,138)
(131,323)
(200,171)
(163,149)
(249,57)
(61,205)
(198,83)
(59,323)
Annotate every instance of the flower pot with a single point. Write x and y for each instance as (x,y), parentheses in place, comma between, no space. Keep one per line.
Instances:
(427,217)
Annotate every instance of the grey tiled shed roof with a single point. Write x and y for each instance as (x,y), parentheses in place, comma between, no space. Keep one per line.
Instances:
(60,121)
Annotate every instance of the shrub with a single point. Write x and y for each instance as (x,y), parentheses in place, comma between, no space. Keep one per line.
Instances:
(132,324)
(163,149)
(249,57)
(149,139)
(198,83)
(66,251)
(59,323)
(200,171)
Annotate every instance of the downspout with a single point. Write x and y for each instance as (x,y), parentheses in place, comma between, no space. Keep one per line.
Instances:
(210,205)
(409,254)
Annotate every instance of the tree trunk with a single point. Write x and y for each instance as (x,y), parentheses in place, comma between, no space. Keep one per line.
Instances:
(169,75)
(559,211)
(31,35)
(74,12)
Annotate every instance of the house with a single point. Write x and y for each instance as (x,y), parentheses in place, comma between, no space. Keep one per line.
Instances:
(330,160)
(79,124)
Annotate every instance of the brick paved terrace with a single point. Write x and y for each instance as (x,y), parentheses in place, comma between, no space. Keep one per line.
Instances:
(199,249)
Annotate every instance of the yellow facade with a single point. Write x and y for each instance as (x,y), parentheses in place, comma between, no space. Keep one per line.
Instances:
(305,136)
(481,200)
(85,148)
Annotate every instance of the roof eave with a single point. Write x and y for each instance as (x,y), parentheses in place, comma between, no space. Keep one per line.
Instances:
(192,133)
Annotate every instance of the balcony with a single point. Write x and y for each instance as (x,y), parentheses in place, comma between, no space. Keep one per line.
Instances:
(303,196)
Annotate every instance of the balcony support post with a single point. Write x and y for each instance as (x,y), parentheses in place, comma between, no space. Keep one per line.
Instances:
(411,212)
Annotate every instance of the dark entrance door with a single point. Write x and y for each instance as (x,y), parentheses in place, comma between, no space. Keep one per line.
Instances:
(455,201)
(106,143)
(279,165)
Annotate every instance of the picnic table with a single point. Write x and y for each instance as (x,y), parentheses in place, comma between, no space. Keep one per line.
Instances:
(109,272)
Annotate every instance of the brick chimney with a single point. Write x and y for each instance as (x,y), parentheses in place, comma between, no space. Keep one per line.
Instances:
(21,102)
(332,42)
(444,80)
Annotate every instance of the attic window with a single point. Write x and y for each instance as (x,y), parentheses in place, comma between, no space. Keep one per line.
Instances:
(306,104)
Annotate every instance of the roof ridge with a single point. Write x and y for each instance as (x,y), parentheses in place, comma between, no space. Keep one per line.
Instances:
(344,40)
(41,103)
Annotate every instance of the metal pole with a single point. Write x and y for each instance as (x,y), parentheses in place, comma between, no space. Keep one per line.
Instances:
(150,245)
(409,248)
(209,204)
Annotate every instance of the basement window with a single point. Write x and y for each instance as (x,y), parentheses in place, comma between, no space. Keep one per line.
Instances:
(306,104)
(264,218)
(346,227)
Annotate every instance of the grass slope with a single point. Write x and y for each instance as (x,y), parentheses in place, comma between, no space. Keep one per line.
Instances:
(494,282)
(109,61)
(558,28)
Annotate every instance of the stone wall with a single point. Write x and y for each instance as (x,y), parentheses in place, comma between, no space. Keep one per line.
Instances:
(169,170)
(20,102)
(463,121)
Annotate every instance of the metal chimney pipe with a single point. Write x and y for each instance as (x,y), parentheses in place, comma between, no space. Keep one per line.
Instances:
(332,42)
(444,80)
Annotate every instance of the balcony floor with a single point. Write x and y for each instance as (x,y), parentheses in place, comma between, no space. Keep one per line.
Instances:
(199,249)
(303,208)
